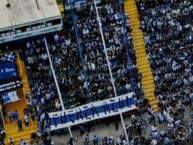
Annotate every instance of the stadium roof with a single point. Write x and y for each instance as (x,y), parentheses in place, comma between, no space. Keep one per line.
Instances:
(15,13)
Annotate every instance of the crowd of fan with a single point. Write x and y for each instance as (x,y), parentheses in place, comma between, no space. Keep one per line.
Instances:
(80,63)
(167,28)
(79,58)
(168,40)
(44,97)
(82,70)
(120,49)
(41,78)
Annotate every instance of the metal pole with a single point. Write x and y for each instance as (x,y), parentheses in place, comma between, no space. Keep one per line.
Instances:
(54,74)
(56,82)
(69,129)
(108,63)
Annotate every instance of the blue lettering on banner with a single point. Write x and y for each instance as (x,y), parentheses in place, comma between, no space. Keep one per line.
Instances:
(106,108)
(92,111)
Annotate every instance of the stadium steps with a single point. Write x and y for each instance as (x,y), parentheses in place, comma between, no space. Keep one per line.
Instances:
(11,128)
(25,79)
(23,74)
(26,135)
(60,6)
(141,55)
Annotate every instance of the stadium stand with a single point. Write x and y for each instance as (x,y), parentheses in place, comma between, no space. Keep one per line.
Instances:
(40,76)
(84,76)
(169,37)
(80,63)
(87,68)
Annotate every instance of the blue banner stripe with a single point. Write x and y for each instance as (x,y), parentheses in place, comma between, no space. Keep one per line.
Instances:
(71,117)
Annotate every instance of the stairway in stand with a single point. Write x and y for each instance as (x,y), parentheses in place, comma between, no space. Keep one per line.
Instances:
(141,55)
(11,128)
(60,6)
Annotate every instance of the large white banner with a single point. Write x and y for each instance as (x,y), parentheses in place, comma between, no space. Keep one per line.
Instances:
(92,111)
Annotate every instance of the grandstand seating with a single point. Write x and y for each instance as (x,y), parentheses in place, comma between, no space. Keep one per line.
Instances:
(80,63)
(40,75)
(120,50)
(133,51)
(168,43)
(82,57)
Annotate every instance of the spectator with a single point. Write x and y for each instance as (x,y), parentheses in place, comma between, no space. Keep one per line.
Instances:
(86,139)
(116,125)
(19,124)
(3,133)
(11,141)
(23,142)
(10,115)
(34,138)
(71,141)
(15,115)
(95,140)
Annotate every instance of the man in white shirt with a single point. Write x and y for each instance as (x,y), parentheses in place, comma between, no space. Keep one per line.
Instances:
(170,126)
(153,142)
(118,141)
(154,128)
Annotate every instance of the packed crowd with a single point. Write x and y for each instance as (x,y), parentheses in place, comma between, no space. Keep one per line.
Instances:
(120,49)
(81,67)
(167,32)
(44,97)
(41,79)
(167,29)
(80,63)
(79,56)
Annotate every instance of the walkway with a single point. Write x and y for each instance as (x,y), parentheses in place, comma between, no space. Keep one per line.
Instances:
(141,55)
